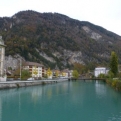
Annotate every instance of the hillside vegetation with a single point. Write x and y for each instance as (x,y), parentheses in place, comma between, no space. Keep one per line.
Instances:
(55,39)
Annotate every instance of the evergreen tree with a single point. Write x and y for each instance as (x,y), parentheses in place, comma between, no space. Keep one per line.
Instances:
(114,63)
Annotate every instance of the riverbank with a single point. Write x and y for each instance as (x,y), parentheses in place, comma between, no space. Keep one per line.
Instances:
(115,83)
(17,84)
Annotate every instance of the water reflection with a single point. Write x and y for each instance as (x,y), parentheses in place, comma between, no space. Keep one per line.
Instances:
(0,110)
(35,94)
(100,88)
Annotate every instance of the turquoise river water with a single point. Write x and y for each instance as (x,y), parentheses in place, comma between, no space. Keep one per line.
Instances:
(66,101)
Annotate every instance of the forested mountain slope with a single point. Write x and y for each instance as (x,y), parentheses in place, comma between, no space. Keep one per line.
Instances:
(55,39)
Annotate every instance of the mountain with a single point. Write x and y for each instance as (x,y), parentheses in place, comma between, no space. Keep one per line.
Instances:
(57,40)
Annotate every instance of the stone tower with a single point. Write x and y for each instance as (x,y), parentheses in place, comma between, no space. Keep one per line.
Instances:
(2,60)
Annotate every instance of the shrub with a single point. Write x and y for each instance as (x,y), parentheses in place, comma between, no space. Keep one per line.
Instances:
(119,75)
(114,83)
(118,85)
(108,81)
(101,76)
(110,75)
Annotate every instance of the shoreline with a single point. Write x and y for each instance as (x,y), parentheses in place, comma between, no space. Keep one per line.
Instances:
(17,84)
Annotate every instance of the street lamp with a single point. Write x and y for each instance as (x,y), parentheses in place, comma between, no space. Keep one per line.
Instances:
(20,69)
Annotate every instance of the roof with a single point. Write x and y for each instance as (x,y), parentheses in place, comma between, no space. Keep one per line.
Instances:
(100,68)
(32,64)
(65,71)
(54,70)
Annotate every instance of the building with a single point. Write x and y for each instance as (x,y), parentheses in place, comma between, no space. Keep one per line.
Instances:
(66,73)
(70,74)
(2,60)
(55,73)
(100,70)
(37,70)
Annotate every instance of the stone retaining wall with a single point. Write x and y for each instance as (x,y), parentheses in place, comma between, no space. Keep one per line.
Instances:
(17,84)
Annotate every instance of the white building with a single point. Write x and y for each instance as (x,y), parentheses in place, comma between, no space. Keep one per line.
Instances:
(2,60)
(100,70)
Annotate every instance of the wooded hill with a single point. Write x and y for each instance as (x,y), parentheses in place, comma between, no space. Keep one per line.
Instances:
(55,39)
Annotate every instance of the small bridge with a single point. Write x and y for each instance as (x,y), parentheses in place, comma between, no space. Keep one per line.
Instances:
(84,79)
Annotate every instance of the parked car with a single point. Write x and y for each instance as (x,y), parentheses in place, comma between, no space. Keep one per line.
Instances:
(30,79)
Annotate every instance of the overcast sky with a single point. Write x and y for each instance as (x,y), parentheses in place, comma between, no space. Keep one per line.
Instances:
(105,13)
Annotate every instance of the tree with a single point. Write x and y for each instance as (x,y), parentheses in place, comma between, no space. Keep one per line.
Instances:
(35,71)
(17,72)
(49,73)
(80,68)
(56,73)
(75,74)
(25,74)
(114,63)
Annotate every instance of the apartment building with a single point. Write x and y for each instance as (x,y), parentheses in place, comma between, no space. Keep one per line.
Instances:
(37,70)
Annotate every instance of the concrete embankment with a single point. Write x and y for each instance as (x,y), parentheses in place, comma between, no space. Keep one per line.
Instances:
(17,84)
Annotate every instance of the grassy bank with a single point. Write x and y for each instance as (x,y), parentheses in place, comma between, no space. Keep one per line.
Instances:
(115,83)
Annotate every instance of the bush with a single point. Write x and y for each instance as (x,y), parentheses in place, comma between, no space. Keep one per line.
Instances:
(118,86)
(114,83)
(119,75)
(108,81)
(110,75)
(101,76)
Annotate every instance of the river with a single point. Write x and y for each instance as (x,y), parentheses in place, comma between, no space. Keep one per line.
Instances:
(66,101)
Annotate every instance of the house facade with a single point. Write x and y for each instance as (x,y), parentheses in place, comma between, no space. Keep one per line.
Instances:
(55,73)
(66,73)
(37,70)
(70,73)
